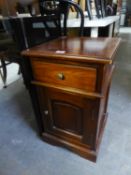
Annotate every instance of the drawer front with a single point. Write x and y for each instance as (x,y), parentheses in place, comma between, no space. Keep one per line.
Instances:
(83,78)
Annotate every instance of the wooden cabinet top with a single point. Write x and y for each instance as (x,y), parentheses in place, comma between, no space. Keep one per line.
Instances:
(82,49)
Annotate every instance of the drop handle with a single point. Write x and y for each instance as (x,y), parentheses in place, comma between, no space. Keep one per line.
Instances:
(60,76)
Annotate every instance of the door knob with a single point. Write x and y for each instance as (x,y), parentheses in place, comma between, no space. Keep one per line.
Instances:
(46,112)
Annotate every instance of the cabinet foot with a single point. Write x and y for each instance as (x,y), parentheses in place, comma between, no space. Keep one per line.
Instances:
(83,152)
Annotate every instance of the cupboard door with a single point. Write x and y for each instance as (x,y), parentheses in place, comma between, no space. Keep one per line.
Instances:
(68,116)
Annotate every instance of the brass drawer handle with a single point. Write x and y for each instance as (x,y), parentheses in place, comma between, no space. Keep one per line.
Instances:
(60,76)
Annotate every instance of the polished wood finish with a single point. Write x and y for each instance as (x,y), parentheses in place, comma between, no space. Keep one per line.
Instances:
(71,79)
(99,50)
(65,75)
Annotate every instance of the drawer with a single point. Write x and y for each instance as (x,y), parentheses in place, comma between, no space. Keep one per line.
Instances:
(82,78)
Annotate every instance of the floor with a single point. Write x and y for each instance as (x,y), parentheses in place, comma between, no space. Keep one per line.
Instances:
(22,152)
(125,30)
(12,74)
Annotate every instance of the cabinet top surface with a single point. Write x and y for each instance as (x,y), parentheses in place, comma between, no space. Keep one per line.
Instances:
(84,49)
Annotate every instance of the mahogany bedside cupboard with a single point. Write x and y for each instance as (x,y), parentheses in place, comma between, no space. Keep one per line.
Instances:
(69,80)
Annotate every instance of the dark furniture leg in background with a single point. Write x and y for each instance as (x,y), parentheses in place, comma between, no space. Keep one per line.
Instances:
(3,72)
(103,7)
(97,6)
(88,9)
